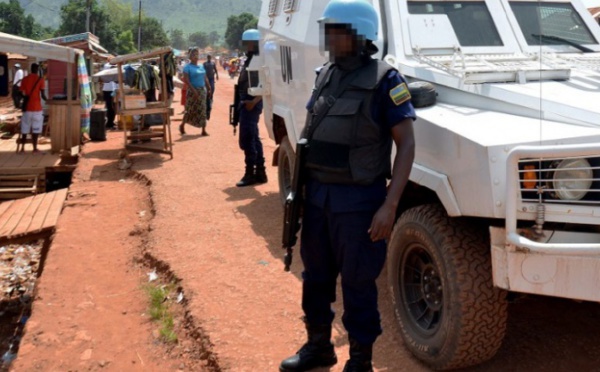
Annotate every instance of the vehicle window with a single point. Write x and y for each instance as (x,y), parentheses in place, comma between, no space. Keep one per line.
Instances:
(471,20)
(290,6)
(555,20)
(273,8)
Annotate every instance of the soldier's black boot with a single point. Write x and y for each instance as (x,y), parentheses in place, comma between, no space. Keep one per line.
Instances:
(360,357)
(317,352)
(261,174)
(248,178)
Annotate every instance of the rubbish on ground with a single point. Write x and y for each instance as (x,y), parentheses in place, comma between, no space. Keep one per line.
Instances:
(152,276)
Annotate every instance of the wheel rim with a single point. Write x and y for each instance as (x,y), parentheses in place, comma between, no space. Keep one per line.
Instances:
(422,290)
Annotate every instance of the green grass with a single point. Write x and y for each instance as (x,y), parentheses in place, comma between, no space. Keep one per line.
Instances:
(159,311)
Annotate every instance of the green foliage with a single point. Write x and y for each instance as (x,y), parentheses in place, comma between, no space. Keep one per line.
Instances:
(177,39)
(153,33)
(213,38)
(13,21)
(121,14)
(159,311)
(13,17)
(125,43)
(236,25)
(114,23)
(188,15)
(198,39)
(167,333)
(73,21)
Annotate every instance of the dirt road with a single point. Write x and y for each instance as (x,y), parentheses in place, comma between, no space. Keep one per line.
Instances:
(223,244)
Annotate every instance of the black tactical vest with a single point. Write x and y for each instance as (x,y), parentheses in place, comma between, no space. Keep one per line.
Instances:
(244,82)
(347,146)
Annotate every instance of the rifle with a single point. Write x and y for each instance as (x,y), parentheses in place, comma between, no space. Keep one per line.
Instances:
(234,110)
(292,220)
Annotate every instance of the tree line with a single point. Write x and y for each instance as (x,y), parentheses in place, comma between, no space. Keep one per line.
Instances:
(116,24)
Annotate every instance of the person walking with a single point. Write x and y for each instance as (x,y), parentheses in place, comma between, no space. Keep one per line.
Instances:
(359,107)
(32,121)
(16,95)
(250,110)
(184,88)
(108,89)
(198,88)
(211,72)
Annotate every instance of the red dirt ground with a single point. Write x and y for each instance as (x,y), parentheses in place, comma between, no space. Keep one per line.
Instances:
(221,245)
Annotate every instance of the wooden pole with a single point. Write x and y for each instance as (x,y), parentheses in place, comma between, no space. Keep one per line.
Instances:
(165,99)
(163,68)
(140,27)
(69,117)
(121,101)
(88,10)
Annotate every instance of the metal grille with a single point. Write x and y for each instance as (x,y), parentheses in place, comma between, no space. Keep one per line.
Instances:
(537,181)
(590,61)
(482,68)
(289,6)
(273,7)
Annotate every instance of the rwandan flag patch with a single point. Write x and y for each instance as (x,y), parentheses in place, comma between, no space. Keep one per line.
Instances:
(400,94)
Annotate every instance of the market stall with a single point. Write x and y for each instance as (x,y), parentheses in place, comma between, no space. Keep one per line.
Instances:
(95,55)
(132,102)
(66,116)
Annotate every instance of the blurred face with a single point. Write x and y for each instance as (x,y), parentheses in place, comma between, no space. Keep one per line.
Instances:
(250,46)
(194,56)
(340,40)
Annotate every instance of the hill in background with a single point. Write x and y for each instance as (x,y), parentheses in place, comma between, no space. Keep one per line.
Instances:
(187,15)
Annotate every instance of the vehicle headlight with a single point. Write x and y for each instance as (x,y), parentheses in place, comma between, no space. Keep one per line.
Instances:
(572,179)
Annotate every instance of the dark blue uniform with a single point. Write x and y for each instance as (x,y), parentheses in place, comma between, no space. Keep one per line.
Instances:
(249,137)
(335,238)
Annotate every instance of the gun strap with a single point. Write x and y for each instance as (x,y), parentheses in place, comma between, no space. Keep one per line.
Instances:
(344,83)
(34,86)
(36,83)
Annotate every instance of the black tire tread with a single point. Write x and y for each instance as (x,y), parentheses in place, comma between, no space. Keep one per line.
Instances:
(481,308)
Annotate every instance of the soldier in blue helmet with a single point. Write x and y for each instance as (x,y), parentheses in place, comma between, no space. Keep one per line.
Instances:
(250,110)
(360,107)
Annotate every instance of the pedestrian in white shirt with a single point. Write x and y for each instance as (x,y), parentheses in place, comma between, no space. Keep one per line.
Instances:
(108,89)
(16,94)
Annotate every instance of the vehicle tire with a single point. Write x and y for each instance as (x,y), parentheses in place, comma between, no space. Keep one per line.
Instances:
(440,276)
(285,169)
(422,94)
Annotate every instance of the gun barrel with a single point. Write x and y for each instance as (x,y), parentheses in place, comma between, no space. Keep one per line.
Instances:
(288,259)
(293,206)
(234,109)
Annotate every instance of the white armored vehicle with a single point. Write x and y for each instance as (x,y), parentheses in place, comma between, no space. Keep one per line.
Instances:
(504,190)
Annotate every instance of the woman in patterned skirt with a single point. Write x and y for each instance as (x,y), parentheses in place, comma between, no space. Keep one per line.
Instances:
(198,87)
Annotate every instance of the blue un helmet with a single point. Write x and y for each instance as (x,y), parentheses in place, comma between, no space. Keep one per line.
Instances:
(359,14)
(251,35)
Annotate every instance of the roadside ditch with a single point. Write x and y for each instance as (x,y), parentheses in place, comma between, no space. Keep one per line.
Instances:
(191,337)
(23,264)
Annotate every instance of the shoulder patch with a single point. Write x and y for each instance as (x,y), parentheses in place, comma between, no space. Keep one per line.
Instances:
(400,94)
